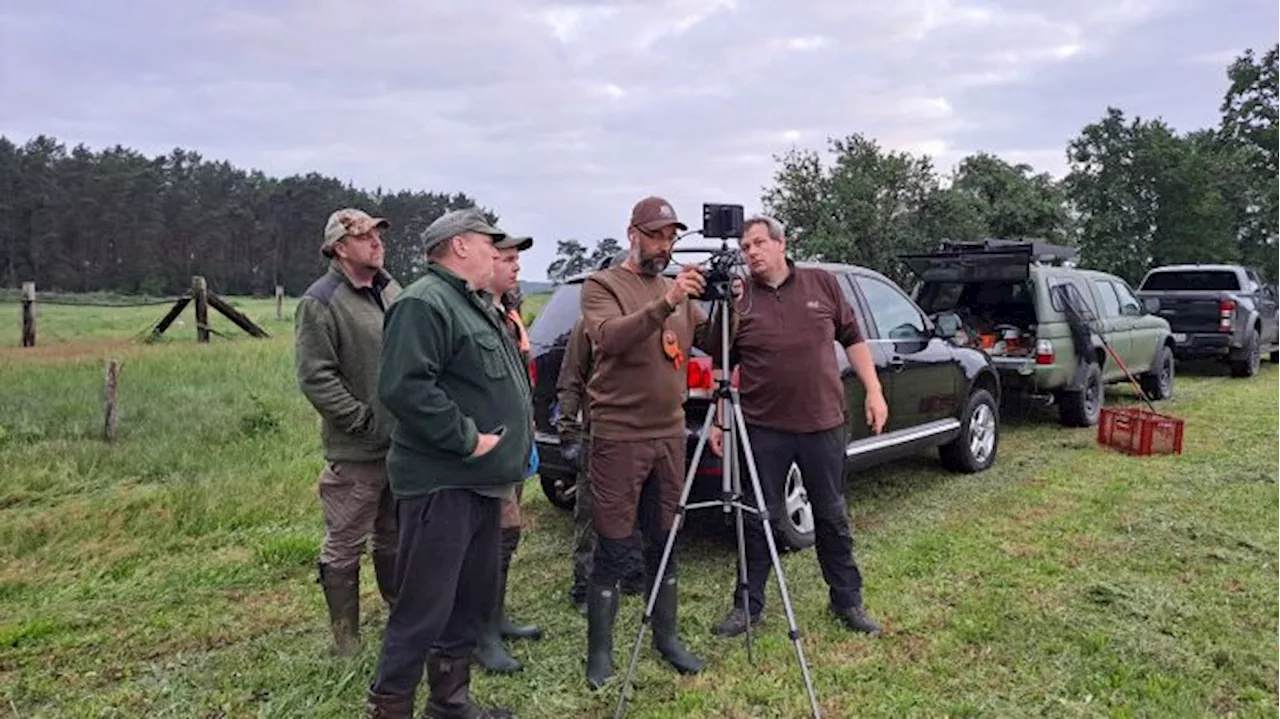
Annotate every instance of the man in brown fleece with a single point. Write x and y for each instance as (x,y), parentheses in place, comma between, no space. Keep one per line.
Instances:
(642,326)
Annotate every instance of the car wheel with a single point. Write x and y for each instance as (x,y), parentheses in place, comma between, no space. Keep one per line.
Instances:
(974,449)
(1248,364)
(1083,407)
(560,490)
(795,528)
(1158,383)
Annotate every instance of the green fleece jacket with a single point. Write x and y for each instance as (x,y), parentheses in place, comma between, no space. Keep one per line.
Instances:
(450,371)
(337,339)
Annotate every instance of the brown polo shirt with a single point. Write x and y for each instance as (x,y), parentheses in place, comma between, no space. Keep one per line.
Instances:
(789,379)
(635,392)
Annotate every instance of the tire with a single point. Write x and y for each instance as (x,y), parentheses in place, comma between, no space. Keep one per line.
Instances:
(559,489)
(1247,364)
(1083,407)
(1275,356)
(974,450)
(795,530)
(1158,383)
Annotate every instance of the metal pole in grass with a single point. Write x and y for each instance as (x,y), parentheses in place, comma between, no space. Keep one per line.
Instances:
(28,314)
(113,377)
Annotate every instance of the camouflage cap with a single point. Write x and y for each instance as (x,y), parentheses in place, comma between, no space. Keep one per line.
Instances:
(654,213)
(520,243)
(348,221)
(456,222)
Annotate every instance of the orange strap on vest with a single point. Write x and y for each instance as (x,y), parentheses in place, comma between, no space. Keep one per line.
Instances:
(514,316)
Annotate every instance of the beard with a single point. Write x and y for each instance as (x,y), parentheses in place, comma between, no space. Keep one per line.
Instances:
(652,266)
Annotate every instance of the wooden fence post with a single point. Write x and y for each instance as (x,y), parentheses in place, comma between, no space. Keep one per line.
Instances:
(279,302)
(200,293)
(113,376)
(28,314)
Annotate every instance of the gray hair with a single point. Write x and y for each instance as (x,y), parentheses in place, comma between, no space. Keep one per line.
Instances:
(776,230)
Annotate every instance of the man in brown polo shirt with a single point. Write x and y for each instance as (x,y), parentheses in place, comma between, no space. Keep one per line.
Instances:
(793,403)
(642,326)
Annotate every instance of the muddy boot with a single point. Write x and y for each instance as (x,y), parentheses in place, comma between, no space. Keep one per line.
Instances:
(490,652)
(342,594)
(388,706)
(384,568)
(665,637)
(602,610)
(450,681)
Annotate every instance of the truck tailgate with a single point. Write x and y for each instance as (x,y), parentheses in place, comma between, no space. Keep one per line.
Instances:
(1189,312)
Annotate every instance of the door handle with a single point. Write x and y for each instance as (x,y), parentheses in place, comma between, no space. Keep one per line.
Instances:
(897,363)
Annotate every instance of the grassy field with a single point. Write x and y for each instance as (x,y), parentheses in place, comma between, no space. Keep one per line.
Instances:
(171,573)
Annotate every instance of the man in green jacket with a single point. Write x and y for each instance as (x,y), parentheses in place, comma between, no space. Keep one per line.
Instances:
(338,335)
(453,379)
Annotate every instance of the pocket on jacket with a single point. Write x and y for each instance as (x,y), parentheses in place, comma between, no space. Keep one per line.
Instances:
(491,356)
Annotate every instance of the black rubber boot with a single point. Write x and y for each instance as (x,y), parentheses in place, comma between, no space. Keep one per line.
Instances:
(450,681)
(490,652)
(384,569)
(602,610)
(665,637)
(506,627)
(342,595)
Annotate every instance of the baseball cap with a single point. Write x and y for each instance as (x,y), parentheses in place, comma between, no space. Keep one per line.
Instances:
(348,221)
(456,222)
(654,213)
(520,243)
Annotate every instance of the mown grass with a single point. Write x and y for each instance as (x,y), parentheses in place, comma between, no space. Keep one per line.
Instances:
(171,574)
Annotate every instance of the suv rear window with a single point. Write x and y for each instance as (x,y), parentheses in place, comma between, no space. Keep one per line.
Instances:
(1192,280)
(557,317)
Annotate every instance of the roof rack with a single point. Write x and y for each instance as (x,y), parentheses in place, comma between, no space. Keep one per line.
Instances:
(1037,251)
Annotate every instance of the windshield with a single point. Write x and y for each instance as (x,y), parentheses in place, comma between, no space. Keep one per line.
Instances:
(557,317)
(1192,280)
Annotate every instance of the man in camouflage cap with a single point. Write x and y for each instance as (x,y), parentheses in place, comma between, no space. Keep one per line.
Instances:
(454,381)
(338,335)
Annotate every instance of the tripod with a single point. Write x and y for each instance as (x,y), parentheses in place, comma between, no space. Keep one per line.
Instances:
(730,501)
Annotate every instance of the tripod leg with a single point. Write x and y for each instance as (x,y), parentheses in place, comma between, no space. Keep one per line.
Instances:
(661,572)
(794,631)
(733,475)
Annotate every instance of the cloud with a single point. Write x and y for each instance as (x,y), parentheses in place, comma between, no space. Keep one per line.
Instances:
(559,115)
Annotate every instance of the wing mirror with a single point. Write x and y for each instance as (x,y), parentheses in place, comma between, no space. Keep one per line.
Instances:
(947,325)
(1151,305)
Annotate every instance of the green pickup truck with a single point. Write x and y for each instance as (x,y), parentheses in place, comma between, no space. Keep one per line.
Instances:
(1044,321)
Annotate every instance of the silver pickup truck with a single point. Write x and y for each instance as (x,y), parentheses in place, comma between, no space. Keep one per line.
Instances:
(1222,312)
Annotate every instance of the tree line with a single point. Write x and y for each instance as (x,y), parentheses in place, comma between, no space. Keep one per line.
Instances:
(1137,193)
(116,220)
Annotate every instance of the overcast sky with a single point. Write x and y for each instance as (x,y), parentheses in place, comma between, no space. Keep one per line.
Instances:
(559,116)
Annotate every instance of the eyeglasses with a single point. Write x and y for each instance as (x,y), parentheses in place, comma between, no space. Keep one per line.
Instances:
(666,234)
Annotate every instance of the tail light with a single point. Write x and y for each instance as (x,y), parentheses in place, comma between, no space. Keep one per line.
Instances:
(533,373)
(700,378)
(1044,352)
(1226,315)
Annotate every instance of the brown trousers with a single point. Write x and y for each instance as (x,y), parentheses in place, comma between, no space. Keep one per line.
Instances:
(357,505)
(617,472)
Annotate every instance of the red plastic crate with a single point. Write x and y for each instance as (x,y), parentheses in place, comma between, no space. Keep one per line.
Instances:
(1138,431)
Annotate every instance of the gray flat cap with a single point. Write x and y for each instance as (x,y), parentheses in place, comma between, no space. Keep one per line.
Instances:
(456,222)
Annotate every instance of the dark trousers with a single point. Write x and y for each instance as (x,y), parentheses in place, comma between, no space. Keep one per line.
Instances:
(446,578)
(820,457)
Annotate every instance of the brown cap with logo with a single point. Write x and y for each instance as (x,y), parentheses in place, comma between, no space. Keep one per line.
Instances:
(348,221)
(655,213)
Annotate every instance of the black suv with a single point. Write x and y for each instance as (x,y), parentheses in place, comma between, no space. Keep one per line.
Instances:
(939,394)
